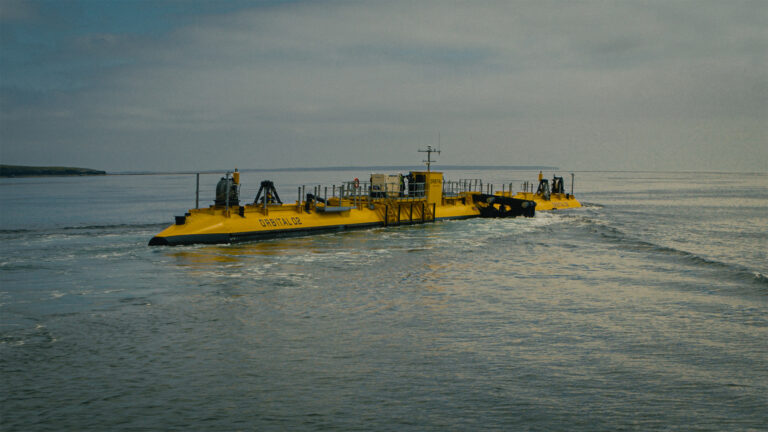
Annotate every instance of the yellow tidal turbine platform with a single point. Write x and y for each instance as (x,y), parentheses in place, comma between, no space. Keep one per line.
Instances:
(384,200)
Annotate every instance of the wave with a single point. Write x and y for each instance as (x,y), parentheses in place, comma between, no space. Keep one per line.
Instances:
(50,234)
(118,226)
(731,271)
(53,230)
(15,231)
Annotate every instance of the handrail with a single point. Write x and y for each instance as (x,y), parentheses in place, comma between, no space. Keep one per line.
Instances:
(361,193)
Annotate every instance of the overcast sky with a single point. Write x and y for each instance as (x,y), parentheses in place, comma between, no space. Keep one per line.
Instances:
(194,85)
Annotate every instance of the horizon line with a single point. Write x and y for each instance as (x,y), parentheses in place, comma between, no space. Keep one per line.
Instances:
(349,168)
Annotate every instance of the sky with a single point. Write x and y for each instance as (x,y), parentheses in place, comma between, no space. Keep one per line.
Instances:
(150,85)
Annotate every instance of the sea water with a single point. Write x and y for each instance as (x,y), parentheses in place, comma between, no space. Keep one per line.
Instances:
(645,310)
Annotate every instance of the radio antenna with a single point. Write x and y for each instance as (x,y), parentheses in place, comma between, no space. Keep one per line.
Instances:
(429,152)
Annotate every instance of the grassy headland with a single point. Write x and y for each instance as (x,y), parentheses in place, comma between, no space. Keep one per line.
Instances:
(30,171)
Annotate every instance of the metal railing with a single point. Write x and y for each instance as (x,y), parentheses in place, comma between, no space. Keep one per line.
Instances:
(455,188)
(413,191)
(358,194)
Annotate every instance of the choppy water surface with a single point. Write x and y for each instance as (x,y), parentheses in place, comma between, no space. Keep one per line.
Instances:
(645,310)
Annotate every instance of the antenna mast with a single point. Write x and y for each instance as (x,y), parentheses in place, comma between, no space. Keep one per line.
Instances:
(429,152)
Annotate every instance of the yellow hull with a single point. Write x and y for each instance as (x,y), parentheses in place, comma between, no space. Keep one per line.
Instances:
(251,222)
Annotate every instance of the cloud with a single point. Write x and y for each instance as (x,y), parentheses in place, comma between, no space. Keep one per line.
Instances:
(591,85)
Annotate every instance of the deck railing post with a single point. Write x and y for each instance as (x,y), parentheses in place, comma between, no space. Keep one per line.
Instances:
(197,191)
(226,201)
(264,202)
(572,179)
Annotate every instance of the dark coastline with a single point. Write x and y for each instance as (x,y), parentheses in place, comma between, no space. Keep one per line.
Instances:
(33,171)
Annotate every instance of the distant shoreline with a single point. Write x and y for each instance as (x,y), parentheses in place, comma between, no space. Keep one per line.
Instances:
(35,171)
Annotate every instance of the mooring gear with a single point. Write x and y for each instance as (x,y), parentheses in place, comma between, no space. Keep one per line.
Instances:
(557,185)
(269,192)
(543,189)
